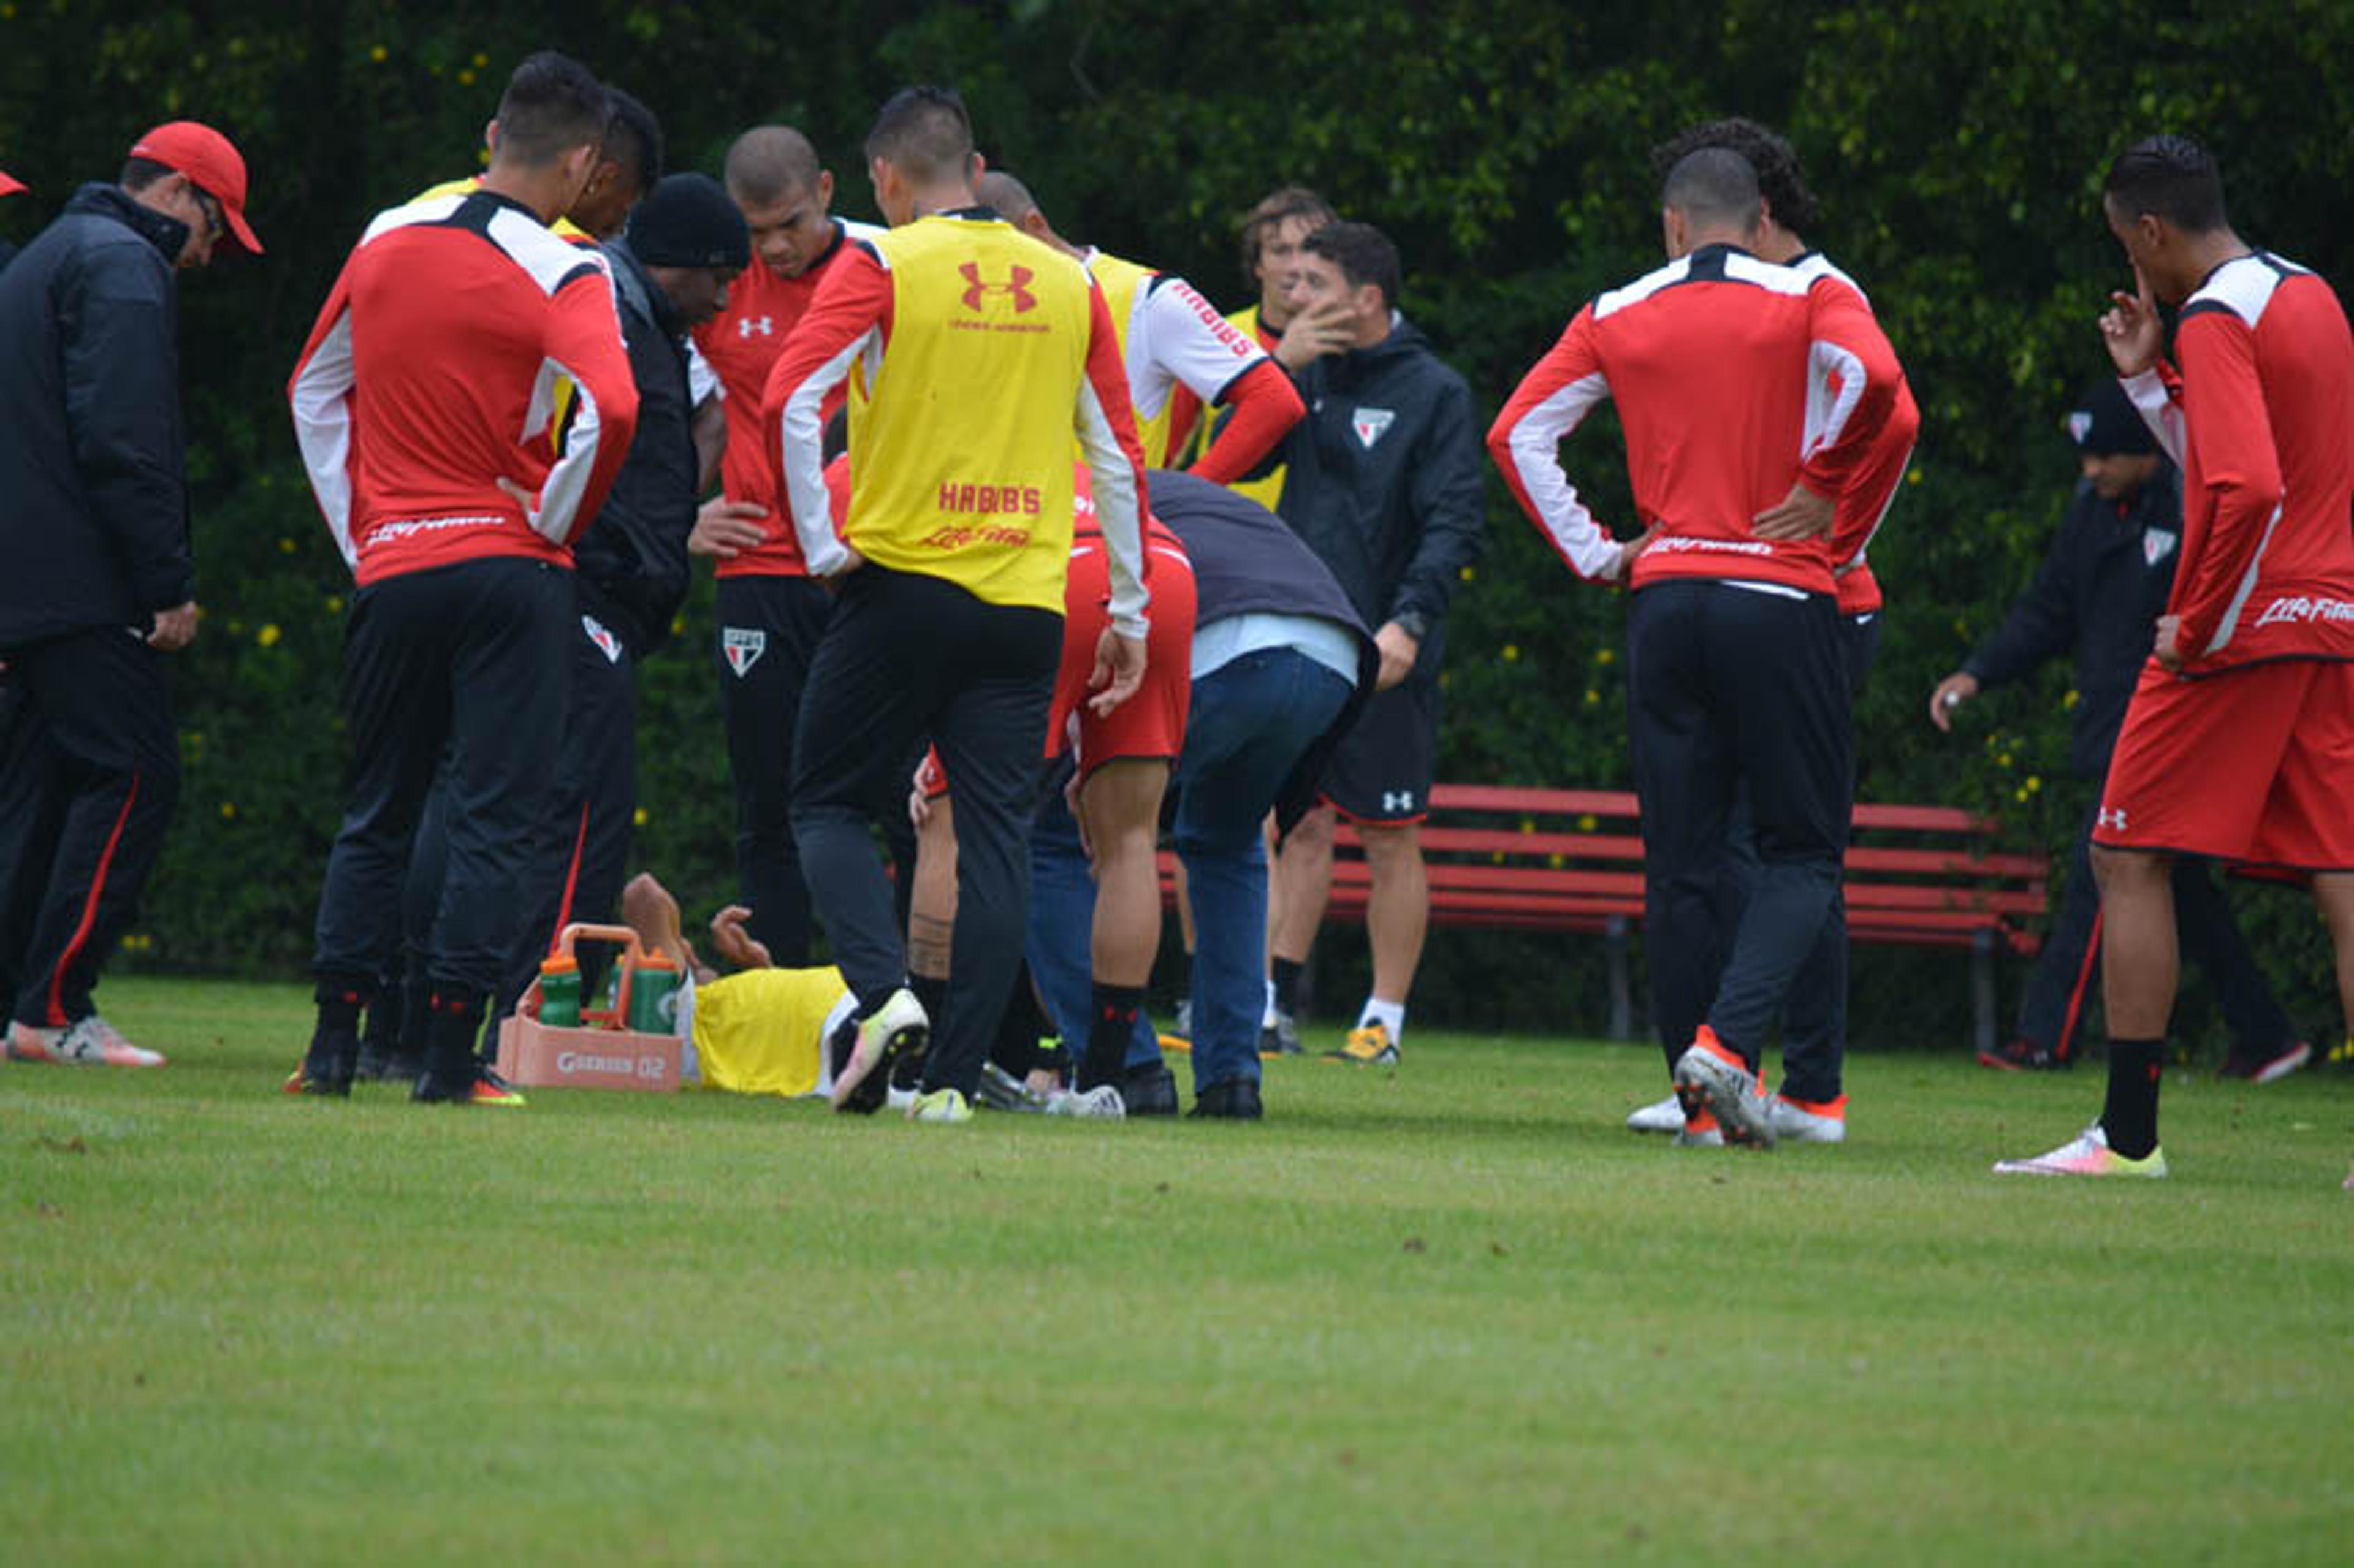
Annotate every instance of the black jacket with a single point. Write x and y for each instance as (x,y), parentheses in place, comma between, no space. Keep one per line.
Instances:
(632,559)
(93,489)
(2099,592)
(1383,482)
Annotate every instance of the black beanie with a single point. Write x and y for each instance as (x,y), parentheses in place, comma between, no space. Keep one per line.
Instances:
(688,221)
(2104,423)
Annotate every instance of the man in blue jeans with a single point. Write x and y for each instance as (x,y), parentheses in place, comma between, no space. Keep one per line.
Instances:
(1280,660)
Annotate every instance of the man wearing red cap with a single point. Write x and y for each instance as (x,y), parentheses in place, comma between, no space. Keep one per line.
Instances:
(94,547)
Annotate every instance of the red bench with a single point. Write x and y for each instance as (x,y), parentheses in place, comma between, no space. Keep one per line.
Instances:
(1573,860)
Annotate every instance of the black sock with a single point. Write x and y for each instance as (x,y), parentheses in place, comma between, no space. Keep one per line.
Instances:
(452,1018)
(1287,987)
(932,991)
(2130,1115)
(1111,1023)
(335,1041)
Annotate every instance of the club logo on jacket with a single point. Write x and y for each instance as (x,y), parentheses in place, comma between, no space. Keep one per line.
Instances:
(2157,543)
(598,633)
(1371,424)
(1016,287)
(765,325)
(742,647)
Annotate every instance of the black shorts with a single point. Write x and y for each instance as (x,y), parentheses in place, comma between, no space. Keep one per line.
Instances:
(1382,769)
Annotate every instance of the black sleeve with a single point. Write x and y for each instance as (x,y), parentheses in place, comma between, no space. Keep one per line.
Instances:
(2042,624)
(122,413)
(1449,512)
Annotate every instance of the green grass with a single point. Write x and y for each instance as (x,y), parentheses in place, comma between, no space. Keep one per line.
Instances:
(1452,1312)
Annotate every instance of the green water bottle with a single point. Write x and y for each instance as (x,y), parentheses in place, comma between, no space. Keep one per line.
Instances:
(654,995)
(560,992)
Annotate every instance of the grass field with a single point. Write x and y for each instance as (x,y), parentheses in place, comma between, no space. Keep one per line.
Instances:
(1449,1312)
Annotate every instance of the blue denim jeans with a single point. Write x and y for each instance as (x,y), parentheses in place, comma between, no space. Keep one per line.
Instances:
(1252,720)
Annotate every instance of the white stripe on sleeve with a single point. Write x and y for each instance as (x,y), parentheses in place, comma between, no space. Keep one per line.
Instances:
(1536,459)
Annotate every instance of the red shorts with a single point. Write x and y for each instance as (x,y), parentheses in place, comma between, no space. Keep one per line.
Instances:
(1152,724)
(2255,765)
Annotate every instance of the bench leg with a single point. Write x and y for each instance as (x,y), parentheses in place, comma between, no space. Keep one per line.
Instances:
(1614,939)
(1982,993)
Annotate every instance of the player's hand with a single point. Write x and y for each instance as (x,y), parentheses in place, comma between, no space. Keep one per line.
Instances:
(524,498)
(1628,551)
(2168,647)
(737,945)
(2130,327)
(1952,693)
(1119,670)
(851,561)
(174,628)
(1315,332)
(724,529)
(1799,515)
(1399,649)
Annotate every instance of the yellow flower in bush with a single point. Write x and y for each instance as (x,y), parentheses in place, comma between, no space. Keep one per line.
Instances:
(269,634)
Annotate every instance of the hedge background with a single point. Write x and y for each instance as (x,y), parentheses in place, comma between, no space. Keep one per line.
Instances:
(1957,148)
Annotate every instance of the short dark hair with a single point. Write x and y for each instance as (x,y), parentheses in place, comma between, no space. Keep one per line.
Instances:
(1274,209)
(633,139)
(1779,176)
(1362,253)
(2172,177)
(770,163)
(553,103)
(1713,185)
(924,133)
(138,174)
(1006,194)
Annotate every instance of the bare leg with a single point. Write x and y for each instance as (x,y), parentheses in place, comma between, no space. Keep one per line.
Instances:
(1398,914)
(2333,891)
(2138,961)
(1302,884)
(931,914)
(1120,809)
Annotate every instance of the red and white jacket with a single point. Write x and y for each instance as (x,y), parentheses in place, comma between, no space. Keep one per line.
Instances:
(1870,491)
(1733,378)
(2260,419)
(431,375)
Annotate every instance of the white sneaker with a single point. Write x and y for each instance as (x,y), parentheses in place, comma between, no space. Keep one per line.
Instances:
(944,1105)
(89,1041)
(2088,1154)
(1666,1115)
(1797,1122)
(893,1029)
(1101,1103)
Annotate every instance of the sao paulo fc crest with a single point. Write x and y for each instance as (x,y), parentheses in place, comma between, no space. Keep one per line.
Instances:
(742,648)
(1370,423)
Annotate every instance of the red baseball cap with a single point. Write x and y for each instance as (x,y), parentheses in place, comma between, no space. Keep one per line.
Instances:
(205,155)
(9,187)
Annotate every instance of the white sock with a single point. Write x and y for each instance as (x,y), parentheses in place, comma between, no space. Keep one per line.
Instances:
(1390,1015)
(1266,1013)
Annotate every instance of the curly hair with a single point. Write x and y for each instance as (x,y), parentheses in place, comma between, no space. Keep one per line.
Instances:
(1779,177)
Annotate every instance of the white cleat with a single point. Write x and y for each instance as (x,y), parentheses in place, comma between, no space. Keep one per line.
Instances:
(1665,1116)
(89,1041)
(1101,1103)
(2088,1154)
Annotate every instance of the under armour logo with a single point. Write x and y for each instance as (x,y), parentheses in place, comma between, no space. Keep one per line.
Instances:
(1397,800)
(2109,819)
(766,326)
(1017,287)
